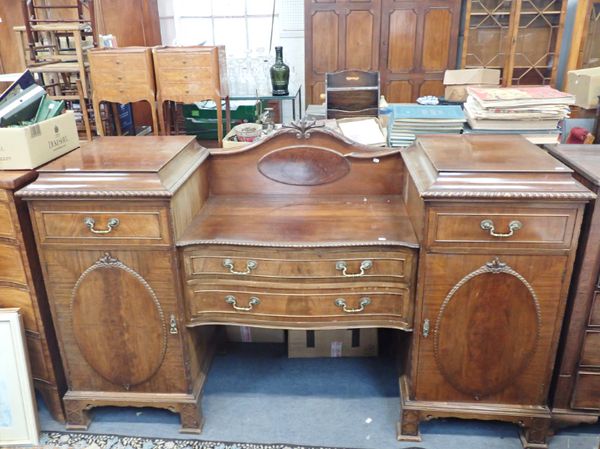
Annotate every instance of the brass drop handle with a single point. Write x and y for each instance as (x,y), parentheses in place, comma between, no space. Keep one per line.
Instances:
(173,326)
(488,225)
(343,267)
(110,225)
(364,302)
(254,301)
(250,265)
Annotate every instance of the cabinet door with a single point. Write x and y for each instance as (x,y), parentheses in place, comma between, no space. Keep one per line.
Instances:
(418,43)
(487,328)
(340,35)
(113,312)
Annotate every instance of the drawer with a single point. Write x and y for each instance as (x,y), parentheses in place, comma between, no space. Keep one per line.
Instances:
(203,75)
(170,89)
(120,62)
(586,394)
(510,227)
(210,303)
(181,60)
(3,195)
(332,264)
(39,370)
(590,354)
(125,79)
(120,91)
(97,224)
(7,228)
(11,264)
(14,297)
(595,312)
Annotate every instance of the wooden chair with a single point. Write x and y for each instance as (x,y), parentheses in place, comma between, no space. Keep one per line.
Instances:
(122,75)
(189,75)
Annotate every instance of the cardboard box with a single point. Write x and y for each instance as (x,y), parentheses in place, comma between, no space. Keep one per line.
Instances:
(247,334)
(585,85)
(333,343)
(457,81)
(31,146)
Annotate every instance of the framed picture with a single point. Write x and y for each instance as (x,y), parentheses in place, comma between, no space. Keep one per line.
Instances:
(18,412)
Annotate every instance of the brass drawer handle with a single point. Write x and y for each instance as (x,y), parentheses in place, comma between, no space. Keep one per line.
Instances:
(364,302)
(343,267)
(488,225)
(426,328)
(250,265)
(230,299)
(110,225)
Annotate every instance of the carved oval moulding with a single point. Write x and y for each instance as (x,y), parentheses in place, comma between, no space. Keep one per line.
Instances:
(118,323)
(487,330)
(304,166)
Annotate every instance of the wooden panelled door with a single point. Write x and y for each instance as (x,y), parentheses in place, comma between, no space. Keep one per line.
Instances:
(410,42)
(340,35)
(418,43)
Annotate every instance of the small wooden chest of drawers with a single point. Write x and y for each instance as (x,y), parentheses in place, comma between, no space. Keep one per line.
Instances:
(576,395)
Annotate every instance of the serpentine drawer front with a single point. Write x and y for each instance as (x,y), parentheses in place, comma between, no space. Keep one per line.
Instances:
(320,306)
(501,227)
(252,285)
(258,264)
(121,223)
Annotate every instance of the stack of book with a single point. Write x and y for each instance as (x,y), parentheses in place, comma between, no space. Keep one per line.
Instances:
(411,120)
(533,111)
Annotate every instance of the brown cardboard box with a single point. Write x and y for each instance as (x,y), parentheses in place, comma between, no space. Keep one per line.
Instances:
(585,85)
(246,334)
(457,81)
(332,343)
(29,147)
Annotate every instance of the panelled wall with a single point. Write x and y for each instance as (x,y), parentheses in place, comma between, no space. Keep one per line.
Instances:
(410,42)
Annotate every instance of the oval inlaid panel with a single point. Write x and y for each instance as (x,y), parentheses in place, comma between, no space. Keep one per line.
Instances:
(118,324)
(486,333)
(304,166)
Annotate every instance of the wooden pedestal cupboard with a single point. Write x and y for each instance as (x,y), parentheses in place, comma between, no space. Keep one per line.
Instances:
(21,286)
(458,241)
(577,384)
(411,43)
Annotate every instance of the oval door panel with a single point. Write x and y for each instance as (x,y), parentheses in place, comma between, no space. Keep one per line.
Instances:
(118,323)
(304,166)
(487,330)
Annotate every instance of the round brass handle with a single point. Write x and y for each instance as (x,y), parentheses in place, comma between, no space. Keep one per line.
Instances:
(488,225)
(364,302)
(250,265)
(343,267)
(254,301)
(110,225)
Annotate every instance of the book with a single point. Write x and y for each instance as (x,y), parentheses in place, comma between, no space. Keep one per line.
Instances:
(519,96)
(366,131)
(509,124)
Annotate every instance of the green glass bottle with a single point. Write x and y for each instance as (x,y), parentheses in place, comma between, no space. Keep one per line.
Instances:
(280,74)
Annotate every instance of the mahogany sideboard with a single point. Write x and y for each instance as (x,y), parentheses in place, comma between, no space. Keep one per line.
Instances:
(576,395)
(465,242)
(22,286)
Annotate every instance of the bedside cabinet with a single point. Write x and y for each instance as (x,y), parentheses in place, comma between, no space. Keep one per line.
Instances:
(22,286)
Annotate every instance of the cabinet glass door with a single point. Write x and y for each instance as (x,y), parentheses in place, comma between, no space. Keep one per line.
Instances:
(591,50)
(536,42)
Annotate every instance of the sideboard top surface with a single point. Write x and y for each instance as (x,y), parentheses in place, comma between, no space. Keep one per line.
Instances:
(14,179)
(488,153)
(584,158)
(115,167)
(489,167)
(121,154)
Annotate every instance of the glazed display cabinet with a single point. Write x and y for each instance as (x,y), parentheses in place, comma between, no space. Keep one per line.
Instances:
(521,38)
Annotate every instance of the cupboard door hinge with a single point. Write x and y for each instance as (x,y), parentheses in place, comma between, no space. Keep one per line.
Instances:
(173,326)
(426,328)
